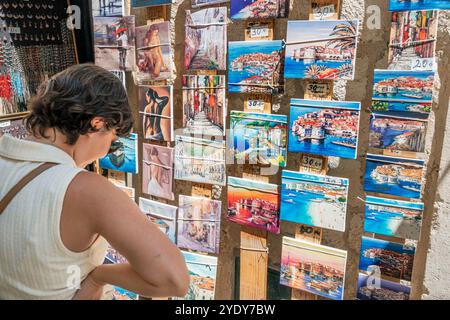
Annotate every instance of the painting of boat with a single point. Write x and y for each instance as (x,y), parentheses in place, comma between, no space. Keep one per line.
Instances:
(124,158)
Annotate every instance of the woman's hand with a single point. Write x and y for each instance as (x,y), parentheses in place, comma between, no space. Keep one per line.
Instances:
(90,289)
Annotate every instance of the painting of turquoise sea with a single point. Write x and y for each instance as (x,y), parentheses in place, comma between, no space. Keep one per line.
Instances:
(393,218)
(149,3)
(258,9)
(125,158)
(314,200)
(403,5)
(387,290)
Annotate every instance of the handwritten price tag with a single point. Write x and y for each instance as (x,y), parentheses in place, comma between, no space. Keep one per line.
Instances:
(13,30)
(5,124)
(259,32)
(312,163)
(324,12)
(422,64)
(255,105)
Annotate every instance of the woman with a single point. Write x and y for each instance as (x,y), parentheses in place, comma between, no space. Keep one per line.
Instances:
(54,231)
(154,56)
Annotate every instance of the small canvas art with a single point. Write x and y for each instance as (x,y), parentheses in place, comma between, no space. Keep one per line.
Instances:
(162,215)
(406,5)
(323,49)
(149,3)
(13,127)
(113,256)
(254,204)
(199,224)
(206,39)
(324,10)
(125,158)
(255,66)
(315,200)
(393,218)
(328,128)
(204,105)
(115,58)
(201,3)
(258,9)
(385,290)
(313,268)
(395,176)
(156,112)
(122,294)
(203,272)
(107,8)
(394,260)
(157,171)
(258,138)
(200,160)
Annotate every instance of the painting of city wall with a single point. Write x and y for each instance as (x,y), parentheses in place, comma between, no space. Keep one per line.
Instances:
(314,268)
(162,215)
(387,290)
(259,9)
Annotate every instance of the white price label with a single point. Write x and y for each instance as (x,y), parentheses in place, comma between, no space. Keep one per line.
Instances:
(13,30)
(312,162)
(259,32)
(5,124)
(422,64)
(324,12)
(255,105)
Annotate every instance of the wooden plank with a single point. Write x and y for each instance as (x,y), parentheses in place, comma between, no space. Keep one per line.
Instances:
(319,89)
(324,9)
(259,30)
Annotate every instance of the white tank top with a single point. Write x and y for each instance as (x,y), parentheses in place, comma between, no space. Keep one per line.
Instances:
(34,263)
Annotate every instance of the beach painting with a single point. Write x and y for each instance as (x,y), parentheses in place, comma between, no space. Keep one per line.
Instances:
(162,215)
(206,39)
(149,3)
(122,294)
(328,128)
(254,204)
(204,105)
(14,127)
(386,290)
(107,8)
(413,40)
(393,175)
(254,66)
(395,260)
(199,224)
(200,160)
(406,5)
(258,138)
(322,49)
(157,171)
(125,158)
(201,3)
(315,200)
(313,268)
(156,112)
(259,9)
(393,218)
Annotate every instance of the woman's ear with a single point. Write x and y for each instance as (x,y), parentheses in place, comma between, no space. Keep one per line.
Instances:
(98,123)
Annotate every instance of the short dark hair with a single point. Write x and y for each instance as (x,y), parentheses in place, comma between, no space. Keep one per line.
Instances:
(69,100)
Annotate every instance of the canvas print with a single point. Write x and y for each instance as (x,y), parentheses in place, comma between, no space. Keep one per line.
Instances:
(387,290)
(395,260)
(113,256)
(324,10)
(200,160)
(395,176)
(201,3)
(254,66)
(323,49)
(107,8)
(313,268)
(404,5)
(156,112)
(413,40)
(258,9)
(203,273)
(149,3)
(199,224)
(258,138)
(315,200)
(162,215)
(393,218)
(157,171)
(206,39)
(154,53)
(125,157)
(254,204)
(13,127)
(122,294)
(328,128)
(115,59)
(204,105)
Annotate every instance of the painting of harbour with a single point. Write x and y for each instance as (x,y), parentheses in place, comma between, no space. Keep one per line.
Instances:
(254,204)
(328,128)
(315,200)
(323,49)
(258,138)
(254,66)
(386,290)
(125,157)
(199,224)
(313,268)
(404,5)
(162,215)
(122,294)
(393,218)
(395,260)
(149,3)
(401,109)
(395,176)
(258,9)
(114,257)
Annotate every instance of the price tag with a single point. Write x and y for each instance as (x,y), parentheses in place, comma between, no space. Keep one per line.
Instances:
(312,163)
(257,105)
(5,124)
(259,32)
(422,64)
(318,88)
(324,12)
(13,30)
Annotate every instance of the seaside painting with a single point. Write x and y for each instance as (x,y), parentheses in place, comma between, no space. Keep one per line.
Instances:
(395,176)
(259,9)
(200,160)
(149,3)
(393,218)
(313,268)
(122,294)
(405,5)
(157,171)
(395,260)
(107,8)
(199,224)
(201,3)
(162,215)
(254,204)
(387,290)
(322,49)
(206,39)
(254,66)
(204,105)
(315,200)
(258,138)
(328,128)
(114,257)
(125,158)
